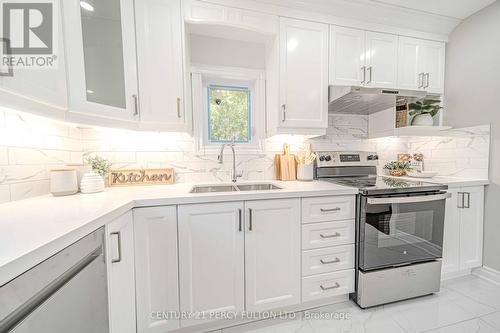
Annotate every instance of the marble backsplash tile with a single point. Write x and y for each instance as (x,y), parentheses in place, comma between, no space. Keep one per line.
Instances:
(31,146)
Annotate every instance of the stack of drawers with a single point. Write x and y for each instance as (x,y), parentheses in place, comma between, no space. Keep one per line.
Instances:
(328,230)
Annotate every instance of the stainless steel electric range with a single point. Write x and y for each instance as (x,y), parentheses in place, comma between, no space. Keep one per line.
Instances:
(399,229)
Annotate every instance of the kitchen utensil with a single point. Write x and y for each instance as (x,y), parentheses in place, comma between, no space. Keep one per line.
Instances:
(285,165)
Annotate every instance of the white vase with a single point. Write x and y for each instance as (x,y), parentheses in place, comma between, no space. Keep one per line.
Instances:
(424,119)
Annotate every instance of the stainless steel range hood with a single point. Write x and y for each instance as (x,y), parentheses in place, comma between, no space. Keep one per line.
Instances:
(363,100)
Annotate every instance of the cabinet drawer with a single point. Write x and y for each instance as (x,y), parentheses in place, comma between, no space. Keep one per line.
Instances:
(330,259)
(319,235)
(325,209)
(327,285)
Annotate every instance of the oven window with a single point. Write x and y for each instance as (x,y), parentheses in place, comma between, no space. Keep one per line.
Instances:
(395,234)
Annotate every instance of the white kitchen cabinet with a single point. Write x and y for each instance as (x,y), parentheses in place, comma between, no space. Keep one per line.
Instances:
(360,58)
(381,60)
(157,286)
(211,258)
(43,87)
(121,278)
(433,66)
(303,75)
(159,35)
(200,12)
(463,233)
(101,58)
(347,56)
(421,65)
(272,254)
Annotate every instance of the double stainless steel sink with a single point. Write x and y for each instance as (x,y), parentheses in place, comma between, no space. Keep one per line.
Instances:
(234,188)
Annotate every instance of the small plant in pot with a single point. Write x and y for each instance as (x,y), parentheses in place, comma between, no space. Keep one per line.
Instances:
(99,165)
(397,169)
(424,111)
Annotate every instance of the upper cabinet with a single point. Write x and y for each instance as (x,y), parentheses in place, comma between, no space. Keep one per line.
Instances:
(42,89)
(303,75)
(102,67)
(159,31)
(361,58)
(421,65)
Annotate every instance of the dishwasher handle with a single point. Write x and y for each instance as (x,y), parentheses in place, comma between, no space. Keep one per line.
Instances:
(25,309)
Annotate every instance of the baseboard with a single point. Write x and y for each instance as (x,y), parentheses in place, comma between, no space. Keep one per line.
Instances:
(488,274)
(454,275)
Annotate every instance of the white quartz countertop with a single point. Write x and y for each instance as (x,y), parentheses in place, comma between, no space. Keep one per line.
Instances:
(34,229)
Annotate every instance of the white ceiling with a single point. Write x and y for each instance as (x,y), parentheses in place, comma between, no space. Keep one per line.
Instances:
(460,9)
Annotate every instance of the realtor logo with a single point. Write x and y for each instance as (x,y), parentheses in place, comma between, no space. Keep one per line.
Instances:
(29,27)
(28,34)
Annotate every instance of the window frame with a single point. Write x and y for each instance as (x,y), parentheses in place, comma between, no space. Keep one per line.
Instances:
(204,76)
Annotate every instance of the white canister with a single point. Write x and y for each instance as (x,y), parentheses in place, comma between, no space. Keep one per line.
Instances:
(63,182)
(305,172)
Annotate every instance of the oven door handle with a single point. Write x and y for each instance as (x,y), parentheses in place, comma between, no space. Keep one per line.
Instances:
(405,200)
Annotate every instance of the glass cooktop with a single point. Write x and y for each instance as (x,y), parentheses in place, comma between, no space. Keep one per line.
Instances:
(373,185)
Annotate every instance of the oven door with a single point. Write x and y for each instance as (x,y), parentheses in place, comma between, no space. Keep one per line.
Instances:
(400,229)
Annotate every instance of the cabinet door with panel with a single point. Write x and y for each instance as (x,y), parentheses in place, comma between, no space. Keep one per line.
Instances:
(471,203)
(433,66)
(211,258)
(409,64)
(272,254)
(381,60)
(303,74)
(44,86)
(102,69)
(347,56)
(157,286)
(160,63)
(120,261)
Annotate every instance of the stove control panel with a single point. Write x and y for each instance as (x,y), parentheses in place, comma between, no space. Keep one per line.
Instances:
(330,159)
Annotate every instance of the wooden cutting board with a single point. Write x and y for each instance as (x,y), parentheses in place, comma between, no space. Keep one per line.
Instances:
(285,165)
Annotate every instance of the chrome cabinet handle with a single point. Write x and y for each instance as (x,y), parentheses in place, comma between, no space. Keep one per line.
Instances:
(337,285)
(370,70)
(420,80)
(334,261)
(427,75)
(329,210)
(407,200)
(119,238)
(179,115)
(468,200)
(5,45)
(250,219)
(240,227)
(460,200)
(283,113)
(136,105)
(330,236)
(364,74)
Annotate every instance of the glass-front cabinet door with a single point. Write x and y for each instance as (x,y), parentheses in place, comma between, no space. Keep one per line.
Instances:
(102,58)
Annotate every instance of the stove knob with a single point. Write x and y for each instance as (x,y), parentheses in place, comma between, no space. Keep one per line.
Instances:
(372,157)
(375,157)
(322,158)
(328,158)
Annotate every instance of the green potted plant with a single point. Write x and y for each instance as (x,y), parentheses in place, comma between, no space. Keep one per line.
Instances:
(99,165)
(397,168)
(424,111)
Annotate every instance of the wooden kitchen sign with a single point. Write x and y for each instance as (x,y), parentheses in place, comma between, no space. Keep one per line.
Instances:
(141,177)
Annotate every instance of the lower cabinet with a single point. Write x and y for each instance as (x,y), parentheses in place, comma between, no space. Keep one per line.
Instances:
(272,254)
(463,230)
(157,287)
(121,282)
(239,256)
(211,258)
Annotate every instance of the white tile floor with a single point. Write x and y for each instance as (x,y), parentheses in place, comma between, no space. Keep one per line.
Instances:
(467,304)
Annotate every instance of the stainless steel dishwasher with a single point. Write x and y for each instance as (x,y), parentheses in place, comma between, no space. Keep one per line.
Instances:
(65,293)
